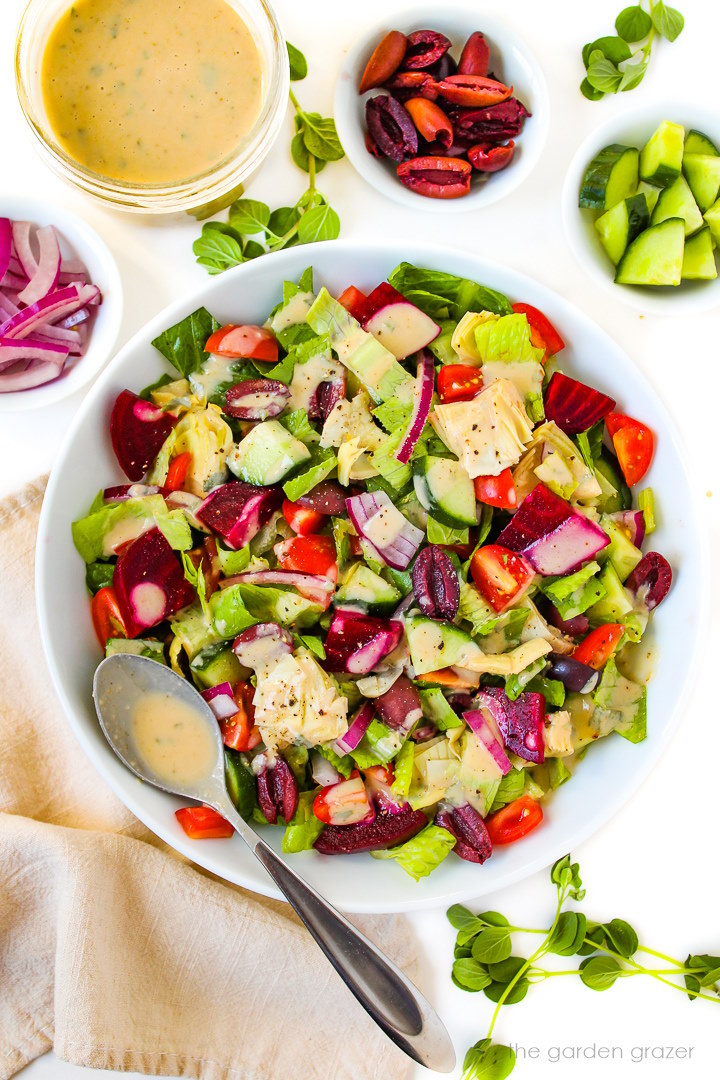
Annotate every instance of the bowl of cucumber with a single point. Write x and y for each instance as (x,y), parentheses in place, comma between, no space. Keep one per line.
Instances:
(641,207)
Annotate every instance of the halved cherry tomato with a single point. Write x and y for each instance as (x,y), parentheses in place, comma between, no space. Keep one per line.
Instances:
(309,555)
(342,804)
(252,342)
(353,300)
(501,575)
(177,472)
(106,618)
(596,649)
(514,821)
(449,678)
(634,445)
(459,382)
(240,731)
(301,519)
(539,322)
(203,823)
(497,490)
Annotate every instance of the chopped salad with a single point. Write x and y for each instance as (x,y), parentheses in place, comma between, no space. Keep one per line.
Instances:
(396,548)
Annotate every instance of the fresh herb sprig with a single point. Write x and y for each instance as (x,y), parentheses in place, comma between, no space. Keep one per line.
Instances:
(484,961)
(252,229)
(612,63)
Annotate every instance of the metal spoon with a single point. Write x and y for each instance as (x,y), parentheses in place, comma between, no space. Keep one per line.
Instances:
(393,1002)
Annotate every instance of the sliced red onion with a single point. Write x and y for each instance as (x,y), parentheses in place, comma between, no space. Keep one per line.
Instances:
(221,701)
(7,307)
(633,521)
(478,724)
(82,315)
(23,248)
(323,773)
(424,387)
(12,351)
(25,377)
(45,277)
(357,727)
(13,282)
(5,245)
(374,511)
(50,308)
(311,586)
(262,644)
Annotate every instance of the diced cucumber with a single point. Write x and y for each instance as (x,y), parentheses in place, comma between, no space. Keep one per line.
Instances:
(677,201)
(712,219)
(702,172)
(655,256)
(216,664)
(611,176)
(699,257)
(621,552)
(698,143)
(650,192)
(618,497)
(434,644)
(616,601)
(444,488)
(661,156)
(267,455)
(368,590)
(619,226)
(154,650)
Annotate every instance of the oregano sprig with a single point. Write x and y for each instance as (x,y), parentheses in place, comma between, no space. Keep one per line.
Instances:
(618,62)
(484,961)
(252,228)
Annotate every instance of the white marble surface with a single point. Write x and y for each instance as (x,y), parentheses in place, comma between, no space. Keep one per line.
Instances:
(656,863)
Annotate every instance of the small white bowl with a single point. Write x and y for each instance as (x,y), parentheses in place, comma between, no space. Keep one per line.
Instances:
(633,127)
(510,60)
(77,240)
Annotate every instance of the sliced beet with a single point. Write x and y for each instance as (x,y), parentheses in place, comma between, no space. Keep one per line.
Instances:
(553,536)
(384,831)
(356,643)
(149,583)
(573,406)
(137,431)
(327,497)
(237,511)
(521,723)
(651,579)
(400,707)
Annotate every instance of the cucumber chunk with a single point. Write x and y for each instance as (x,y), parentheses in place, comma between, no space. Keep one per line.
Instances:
(712,219)
(611,176)
(676,201)
(619,226)
(267,455)
(698,257)
(444,488)
(651,193)
(698,143)
(655,256)
(661,156)
(702,172)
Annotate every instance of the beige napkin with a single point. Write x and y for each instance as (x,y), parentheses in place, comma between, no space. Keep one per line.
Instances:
(114,951)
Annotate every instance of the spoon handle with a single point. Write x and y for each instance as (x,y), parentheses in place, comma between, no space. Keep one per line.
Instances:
(390,998)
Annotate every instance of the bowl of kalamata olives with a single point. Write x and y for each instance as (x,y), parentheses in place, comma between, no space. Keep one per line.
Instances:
(447,111)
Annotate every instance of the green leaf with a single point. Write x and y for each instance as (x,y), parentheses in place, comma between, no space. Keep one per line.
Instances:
(298,63)
(622,937)
(470,975)
(98,575)
(667,20)
(423,853)
(506,970)
(249,216)
(460,918)
(403,768)
(590,92)
(240,782)
(184,343)
(283,219)
(343,764)
(462,952)
(604,75)
(304,829)
(300,485)
(569,934)
(442,295)
(488,1061)
(300,155)
(217,251)
(492,944)
(496,990)
(320,223)
(600,972)
(314,644)
(252,250)
(511,787)
(437,533)
(633,75)
(594,938)
(612,48)
(566,875)
(633,23)
(321,137)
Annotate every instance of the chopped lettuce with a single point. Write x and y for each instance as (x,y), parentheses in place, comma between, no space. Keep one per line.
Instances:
(423,853)
(574,593)
(344,765)
(437,533)
(98,575)
(441,347)
(511,787)
(646,503)
(243,604)
(314,644)
(564,471)
(436,708)
(297,424)
(403,766)
(551,775)
(590,443)
(96,535)
(149,647)
(484,620)
(445,296)
(515,684)
(304,829)
(229,613)
(621,704)
(233,562)
(323,463)
(195,576)
(184,343)
(551,689)
(384,460)
(341,531)
(393,414)
(506,339)
(193,630)
(378,745)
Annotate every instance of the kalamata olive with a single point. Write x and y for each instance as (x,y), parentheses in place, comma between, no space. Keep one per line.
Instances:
(328,394)
(391,127)
(577,677)
(431,122)
(383,831)
(286,792)
(400,707)
(265,795)
(384,61)
(490,157)
(436,177)
(424,49)
(472,840)
(651,579)
(327,497)
(494,123)
(406,84)
(423,733)
(444,67)
(574,627)
(474,91)
(435,583)
(256,399)
(475,57)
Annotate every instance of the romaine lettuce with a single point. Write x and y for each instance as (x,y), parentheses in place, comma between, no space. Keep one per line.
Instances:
(423,853)
(442,295)
(184,343)
(506,339)
(96,535)
(403,766)
(323,463)
(304,829)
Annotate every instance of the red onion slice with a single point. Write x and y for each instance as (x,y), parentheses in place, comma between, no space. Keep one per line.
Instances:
(12,351)
(45,277)
(36,373)
(359,724)
(311,586)
(478,724)
(424,387)
(23,249)
(221,701)
(5,245)
(374,510)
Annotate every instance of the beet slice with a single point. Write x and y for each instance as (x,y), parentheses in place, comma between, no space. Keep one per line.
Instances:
(237,511)
(357,643)
(553,537)
(384,831)
(327,497)
(573,405)
(137,431)
(149,583)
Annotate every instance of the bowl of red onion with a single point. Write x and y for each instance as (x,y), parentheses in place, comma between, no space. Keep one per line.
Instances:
(60,304)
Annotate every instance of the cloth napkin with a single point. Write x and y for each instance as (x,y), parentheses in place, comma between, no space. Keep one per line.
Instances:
(115,951)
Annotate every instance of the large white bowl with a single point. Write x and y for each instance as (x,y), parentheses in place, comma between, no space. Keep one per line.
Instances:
(612,770)
(510,60)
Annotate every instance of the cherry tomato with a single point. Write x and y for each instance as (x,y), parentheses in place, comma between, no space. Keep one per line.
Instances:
(596,649)
(353,301)
(203,823)
(459,382)
(106,618)
(343,803)
(514,821)
(634,445)
(302,519)
(177,472)
(501,575)
(539,322)
(497,490)
(309,555)
(252,342)
(239,731)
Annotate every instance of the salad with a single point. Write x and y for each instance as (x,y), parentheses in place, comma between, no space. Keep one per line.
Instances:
(396,549)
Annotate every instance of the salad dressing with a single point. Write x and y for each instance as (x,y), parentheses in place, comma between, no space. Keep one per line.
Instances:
(173,740)
(151,91)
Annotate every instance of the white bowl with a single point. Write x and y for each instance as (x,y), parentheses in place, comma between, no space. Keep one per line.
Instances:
(612,770)
(77,240)
(510,60)
(633,127)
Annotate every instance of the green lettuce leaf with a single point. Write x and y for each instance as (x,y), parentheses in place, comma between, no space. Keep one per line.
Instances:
(484,620)
(403,766)
(445,296)
(551,689)
(98,575)
(184,343)
(437,533)
(323,463)
(574,593)
(233,562)
(249,603)
(506,339)
(344,765)
(423,853)
(515,684)
(378,746)
(229,613)
(384,460)
(436,707)
(90,533)
(304,829)
(511,787)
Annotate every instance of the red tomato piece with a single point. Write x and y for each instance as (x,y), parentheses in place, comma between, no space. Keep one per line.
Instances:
(239,731)
(501,575)
(344,803)
(497,490)
(353,300)
(514,821)
(596,649)
(634,445)
(106,618)
(309,555)
(177,472)
(251,342)
(203,823)
(459,382)
(539,322)
(301,519)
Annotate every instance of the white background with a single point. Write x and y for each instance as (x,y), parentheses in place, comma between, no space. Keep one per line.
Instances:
(656,863)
